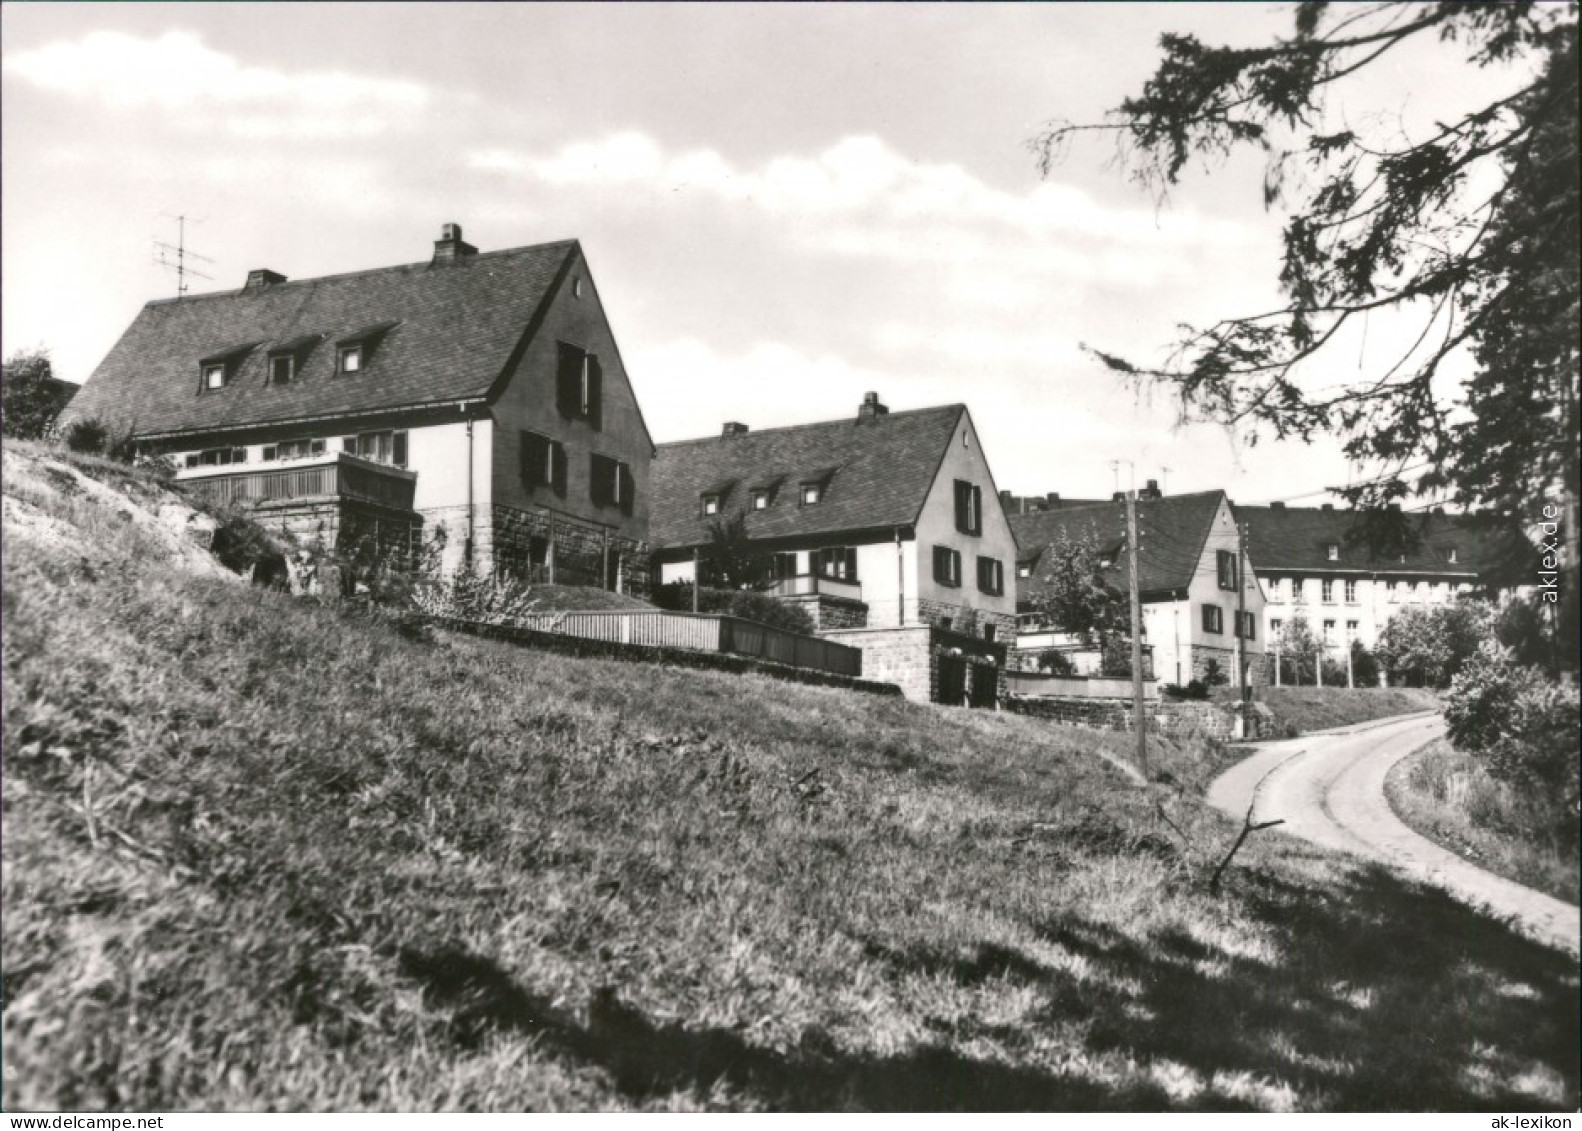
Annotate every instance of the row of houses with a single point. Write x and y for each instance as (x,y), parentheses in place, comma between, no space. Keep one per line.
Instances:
(477,403)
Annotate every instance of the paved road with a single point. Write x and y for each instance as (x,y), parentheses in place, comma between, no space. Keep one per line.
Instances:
(1329,788)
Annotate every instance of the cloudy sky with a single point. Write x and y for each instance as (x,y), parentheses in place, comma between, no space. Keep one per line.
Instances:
(784,206)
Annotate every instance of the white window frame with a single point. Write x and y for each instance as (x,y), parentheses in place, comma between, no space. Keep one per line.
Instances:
(711,505)
(349,359)
(811,494)
(214,376)
(760,500)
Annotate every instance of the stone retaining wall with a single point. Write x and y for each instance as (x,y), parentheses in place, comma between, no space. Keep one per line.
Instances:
(1210,720)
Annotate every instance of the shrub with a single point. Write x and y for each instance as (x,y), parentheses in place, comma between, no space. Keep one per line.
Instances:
(87,435)
(745,603)
(1523,728)
(1213,676)
(465,596)
(1056,662)
(32,397)
(1193,689)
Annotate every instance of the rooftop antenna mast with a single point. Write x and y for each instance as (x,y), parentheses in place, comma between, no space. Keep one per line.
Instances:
(174,257)
(1164,479)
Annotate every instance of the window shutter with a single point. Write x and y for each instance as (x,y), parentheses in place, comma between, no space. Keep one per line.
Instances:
(599,479)
(568,381)
(628,488)
(557,468)
(851,563)
(976,514)
(963,501)
(595,392)
(535,460)
(939,559)
(398,449)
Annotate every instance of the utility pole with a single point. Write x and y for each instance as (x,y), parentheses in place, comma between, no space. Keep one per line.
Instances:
(1139,720)
(1241,621)
(697,579)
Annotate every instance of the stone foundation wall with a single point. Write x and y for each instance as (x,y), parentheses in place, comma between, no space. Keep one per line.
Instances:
(910,657)
(830,613)
(346,527)
(539,546)
(1201,654)
(966,620)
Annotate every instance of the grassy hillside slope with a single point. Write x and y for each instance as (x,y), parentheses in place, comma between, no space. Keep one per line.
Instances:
(1319,708)
(261,854)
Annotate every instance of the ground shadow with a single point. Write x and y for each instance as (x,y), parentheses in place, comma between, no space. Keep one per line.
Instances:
(1384,994)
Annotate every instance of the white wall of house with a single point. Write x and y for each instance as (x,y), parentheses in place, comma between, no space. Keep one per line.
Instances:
(936,526)
(1376,597)
(437,453)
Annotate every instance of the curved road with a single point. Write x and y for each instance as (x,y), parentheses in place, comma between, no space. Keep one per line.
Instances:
(1329,788)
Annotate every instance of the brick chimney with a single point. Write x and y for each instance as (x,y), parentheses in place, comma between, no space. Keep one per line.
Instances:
(1326,506)
(1051,499)
(1277,506)
(1151,491)
(870,407)
(263,277)
(734,428)
(450,246)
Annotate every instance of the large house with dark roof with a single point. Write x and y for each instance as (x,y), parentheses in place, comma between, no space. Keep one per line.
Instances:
(880,522)
(1320,565)
(1188,571)
(476,401)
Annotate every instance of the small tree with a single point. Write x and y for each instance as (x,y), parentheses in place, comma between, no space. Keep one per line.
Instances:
(1076,596)
(1297,647)
(31,398)
(1427,646)
(729,561)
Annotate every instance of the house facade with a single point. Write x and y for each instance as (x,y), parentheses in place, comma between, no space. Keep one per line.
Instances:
(879,523)
(1318,564)
(1195,624)
(475,403)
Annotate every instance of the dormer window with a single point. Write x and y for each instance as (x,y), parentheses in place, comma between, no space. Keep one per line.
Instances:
(1024,569)
(1332,551)
(285,359)
(216,369)
(760,500)
(711,505)
(812,493)
(353,350)
(1452,555)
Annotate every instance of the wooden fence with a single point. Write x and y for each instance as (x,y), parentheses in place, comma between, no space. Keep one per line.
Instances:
(705,632)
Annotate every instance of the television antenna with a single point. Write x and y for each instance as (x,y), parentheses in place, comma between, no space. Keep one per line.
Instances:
(174,257)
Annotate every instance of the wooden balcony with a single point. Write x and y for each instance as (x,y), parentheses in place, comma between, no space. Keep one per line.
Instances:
(809,584)
(333,476)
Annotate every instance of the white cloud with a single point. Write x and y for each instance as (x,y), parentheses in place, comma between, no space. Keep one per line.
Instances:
(860,198)
(177,73)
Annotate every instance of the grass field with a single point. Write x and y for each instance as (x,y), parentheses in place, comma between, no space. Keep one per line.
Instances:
(1318,708)
(1447,796)
(263,854)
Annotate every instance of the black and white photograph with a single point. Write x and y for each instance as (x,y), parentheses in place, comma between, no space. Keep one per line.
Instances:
(790,557)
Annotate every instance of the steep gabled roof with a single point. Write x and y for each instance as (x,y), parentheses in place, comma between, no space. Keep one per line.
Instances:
(876,474)
(1171,534)
(1298,538)
(446,332)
